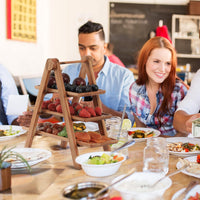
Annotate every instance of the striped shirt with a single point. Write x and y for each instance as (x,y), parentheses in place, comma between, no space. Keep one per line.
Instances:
(140,105)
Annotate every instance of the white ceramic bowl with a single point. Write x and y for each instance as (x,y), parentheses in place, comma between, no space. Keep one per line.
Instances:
(132,188)
(98,170)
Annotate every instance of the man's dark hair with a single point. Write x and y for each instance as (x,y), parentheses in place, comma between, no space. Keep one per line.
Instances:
(91,27)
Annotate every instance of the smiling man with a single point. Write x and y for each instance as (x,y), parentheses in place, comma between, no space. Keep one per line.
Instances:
(110,77)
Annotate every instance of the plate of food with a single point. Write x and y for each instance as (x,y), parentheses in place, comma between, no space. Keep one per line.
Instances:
(183,146)
(10,131)
(193,169)
(32,155)
(193,194)
(141,134)
(89,126)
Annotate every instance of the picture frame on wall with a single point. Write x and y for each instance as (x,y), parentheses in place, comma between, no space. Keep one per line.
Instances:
(21,20)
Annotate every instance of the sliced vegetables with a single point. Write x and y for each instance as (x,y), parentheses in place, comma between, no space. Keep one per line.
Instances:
(104,159)
(140,133)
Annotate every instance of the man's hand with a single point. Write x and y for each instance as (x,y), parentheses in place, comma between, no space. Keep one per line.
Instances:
(25,119)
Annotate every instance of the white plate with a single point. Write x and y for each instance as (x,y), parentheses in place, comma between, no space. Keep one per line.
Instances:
(90,126)
(191,193)
(191,159)
(14,128)
(156,133)
(184,140)
(32,155)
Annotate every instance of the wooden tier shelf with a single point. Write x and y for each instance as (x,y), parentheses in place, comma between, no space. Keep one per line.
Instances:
(92,144)
(84,94)
(52,135)
(91,119)
(80,143)
(75,94)
(76,118)
(86,69)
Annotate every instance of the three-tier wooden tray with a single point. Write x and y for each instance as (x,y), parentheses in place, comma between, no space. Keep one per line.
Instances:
(86,68)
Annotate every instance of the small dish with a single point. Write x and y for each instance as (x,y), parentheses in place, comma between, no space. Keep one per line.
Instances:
(80,190)
(156,133)
(132,188)
(99,170)
(32,155)
(183,140)
(192,171)
(16,131)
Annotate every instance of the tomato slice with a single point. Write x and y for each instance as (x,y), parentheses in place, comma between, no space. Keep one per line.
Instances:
(186,150)
(198,158)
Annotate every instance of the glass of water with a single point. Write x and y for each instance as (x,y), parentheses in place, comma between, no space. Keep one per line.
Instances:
(113,128)
(122,138)
(156,156)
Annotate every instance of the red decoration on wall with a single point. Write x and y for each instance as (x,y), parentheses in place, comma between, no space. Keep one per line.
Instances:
(9,19)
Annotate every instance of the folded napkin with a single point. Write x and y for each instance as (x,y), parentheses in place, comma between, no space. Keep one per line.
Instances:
(17,104)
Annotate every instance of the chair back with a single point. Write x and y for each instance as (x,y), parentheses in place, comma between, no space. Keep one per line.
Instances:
(28,83)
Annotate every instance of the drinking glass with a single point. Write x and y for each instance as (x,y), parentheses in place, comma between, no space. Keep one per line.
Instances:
(156,156)
(122,138)
(113,128)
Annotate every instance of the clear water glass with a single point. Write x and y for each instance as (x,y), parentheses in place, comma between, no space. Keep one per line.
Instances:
(113,127)
(156,156)
(123,138)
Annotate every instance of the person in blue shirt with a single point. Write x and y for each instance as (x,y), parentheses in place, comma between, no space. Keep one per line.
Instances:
(112,78)
(7,87)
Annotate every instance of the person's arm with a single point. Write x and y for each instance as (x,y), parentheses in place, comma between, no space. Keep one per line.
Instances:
(183,122)
(112,112)
(15,122)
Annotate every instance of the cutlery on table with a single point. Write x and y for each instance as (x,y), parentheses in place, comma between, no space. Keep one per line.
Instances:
(125,145)
(123,115)
(183,194)
(170,174)
(93,196)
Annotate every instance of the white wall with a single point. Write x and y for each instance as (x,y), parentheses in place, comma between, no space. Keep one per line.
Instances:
(22,57)
(57,30)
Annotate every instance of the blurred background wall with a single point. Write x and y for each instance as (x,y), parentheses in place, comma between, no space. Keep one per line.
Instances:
(57,27)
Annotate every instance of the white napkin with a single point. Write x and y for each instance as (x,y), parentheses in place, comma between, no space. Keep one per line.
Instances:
(17,104)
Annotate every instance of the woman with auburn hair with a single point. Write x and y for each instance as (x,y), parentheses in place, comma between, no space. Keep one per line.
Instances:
(155,94)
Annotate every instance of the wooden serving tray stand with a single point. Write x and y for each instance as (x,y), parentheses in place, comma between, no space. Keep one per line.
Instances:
(86,68)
